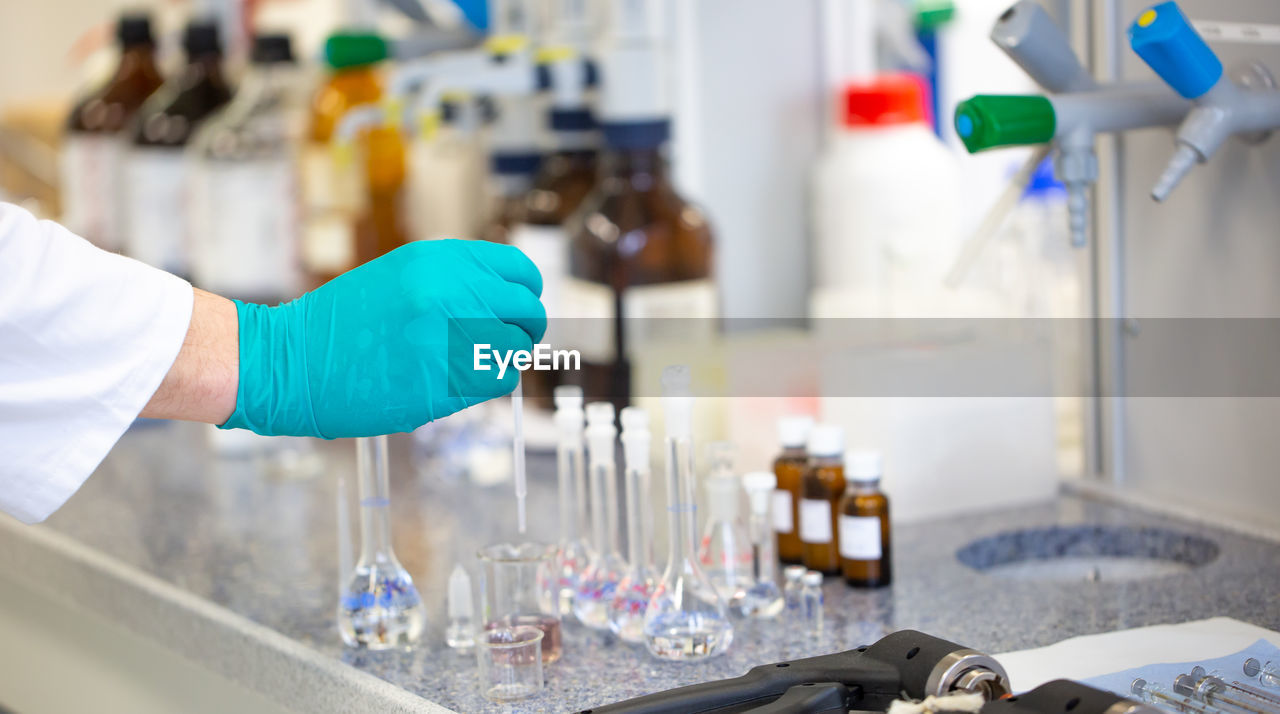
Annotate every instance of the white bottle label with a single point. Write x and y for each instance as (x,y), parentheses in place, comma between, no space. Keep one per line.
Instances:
(682,311)
(548,248)
(334,194)
(860,537)
(245,229)
(155,208)
(89,176)
(782,511)
(815,521)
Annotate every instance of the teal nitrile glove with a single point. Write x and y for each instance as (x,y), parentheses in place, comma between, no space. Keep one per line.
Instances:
(388,346)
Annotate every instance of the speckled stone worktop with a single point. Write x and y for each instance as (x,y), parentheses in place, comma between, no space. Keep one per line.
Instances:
(264,549)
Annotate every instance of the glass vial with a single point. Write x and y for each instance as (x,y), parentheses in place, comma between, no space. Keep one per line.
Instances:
(762,597)
(811,603)
(574,554)
(380,607)
(685,619)
(789,468)
(820,491)
(460,633)
(864,531)
(600,582)
(725,550)
(626,612)
(792,591)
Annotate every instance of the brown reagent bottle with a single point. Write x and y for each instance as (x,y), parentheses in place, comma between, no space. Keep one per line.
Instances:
(863,527)
(820,493)
(789,468)
(90,161)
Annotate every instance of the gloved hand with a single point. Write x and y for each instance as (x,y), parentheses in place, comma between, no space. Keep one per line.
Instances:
(388,346)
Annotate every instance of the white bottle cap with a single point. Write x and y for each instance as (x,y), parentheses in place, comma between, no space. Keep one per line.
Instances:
(759,486)
(635,437)
(794,573)
(568,396)
(599,413)
(600,442)
(793,431)
(677,401)
(812,577)
(864,466)
(826,440)
(569,421)
(633,418)
(460,604)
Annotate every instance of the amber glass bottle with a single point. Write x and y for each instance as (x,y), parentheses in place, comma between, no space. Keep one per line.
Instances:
(865,556)
(820,493)
(789,468)
(157,170)
(637,251)
(512,179)
(563,181)
(90,156)
(352,208)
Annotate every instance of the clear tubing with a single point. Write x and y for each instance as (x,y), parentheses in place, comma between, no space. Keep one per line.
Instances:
(600,474)
(613,513)
(637,483)
(517,446)
(1163,697)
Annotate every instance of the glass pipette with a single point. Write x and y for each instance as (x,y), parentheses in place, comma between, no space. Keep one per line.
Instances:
(1215,688)
(1161,696)
(517,445)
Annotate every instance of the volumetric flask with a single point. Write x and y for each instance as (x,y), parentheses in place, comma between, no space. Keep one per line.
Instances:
(520,588)
(509,661)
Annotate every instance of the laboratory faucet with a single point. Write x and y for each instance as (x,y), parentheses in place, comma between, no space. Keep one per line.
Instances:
(1069,117)
(1246,106)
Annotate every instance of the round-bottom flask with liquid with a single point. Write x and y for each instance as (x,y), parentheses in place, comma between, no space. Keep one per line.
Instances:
(685,619)
(520,589)
(379,607)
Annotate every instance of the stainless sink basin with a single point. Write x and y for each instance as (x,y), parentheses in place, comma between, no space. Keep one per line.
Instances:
(1088,553)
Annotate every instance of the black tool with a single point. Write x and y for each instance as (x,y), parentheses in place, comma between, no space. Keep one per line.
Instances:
(906,663)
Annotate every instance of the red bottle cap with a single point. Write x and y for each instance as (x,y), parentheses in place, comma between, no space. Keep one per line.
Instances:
(885,100)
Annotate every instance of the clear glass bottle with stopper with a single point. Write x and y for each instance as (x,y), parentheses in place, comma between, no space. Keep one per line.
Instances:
(380,608)
(574,555)
(686,619)
(598,585)
(762,597)
(626,612)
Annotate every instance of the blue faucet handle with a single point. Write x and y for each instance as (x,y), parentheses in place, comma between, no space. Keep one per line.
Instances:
(1164,38)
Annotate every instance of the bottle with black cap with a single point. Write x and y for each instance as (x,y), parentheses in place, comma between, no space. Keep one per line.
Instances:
(246,224)
(638,250)
(91,148)
(156,170)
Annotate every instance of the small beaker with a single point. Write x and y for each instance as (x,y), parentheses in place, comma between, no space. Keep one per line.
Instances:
(510,662)
(520,588)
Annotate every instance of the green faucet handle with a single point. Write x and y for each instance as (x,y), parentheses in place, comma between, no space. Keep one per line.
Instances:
(990,120)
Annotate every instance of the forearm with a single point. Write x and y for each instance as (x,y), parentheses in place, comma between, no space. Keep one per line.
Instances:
(201,385)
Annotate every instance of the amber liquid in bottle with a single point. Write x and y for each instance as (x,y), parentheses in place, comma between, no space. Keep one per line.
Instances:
(789,468)
(108,109)
(190,98)
(824,481)
(377,226)
(865,556)
(666,240)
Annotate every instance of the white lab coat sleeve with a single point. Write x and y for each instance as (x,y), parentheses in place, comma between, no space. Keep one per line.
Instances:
(86,337)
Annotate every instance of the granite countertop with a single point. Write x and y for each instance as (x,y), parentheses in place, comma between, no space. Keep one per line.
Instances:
(264,549)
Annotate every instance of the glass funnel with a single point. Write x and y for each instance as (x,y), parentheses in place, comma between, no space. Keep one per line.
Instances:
(626,612)
(379,607)
(686,619)
(599,583)
(574,555)
(520,589)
